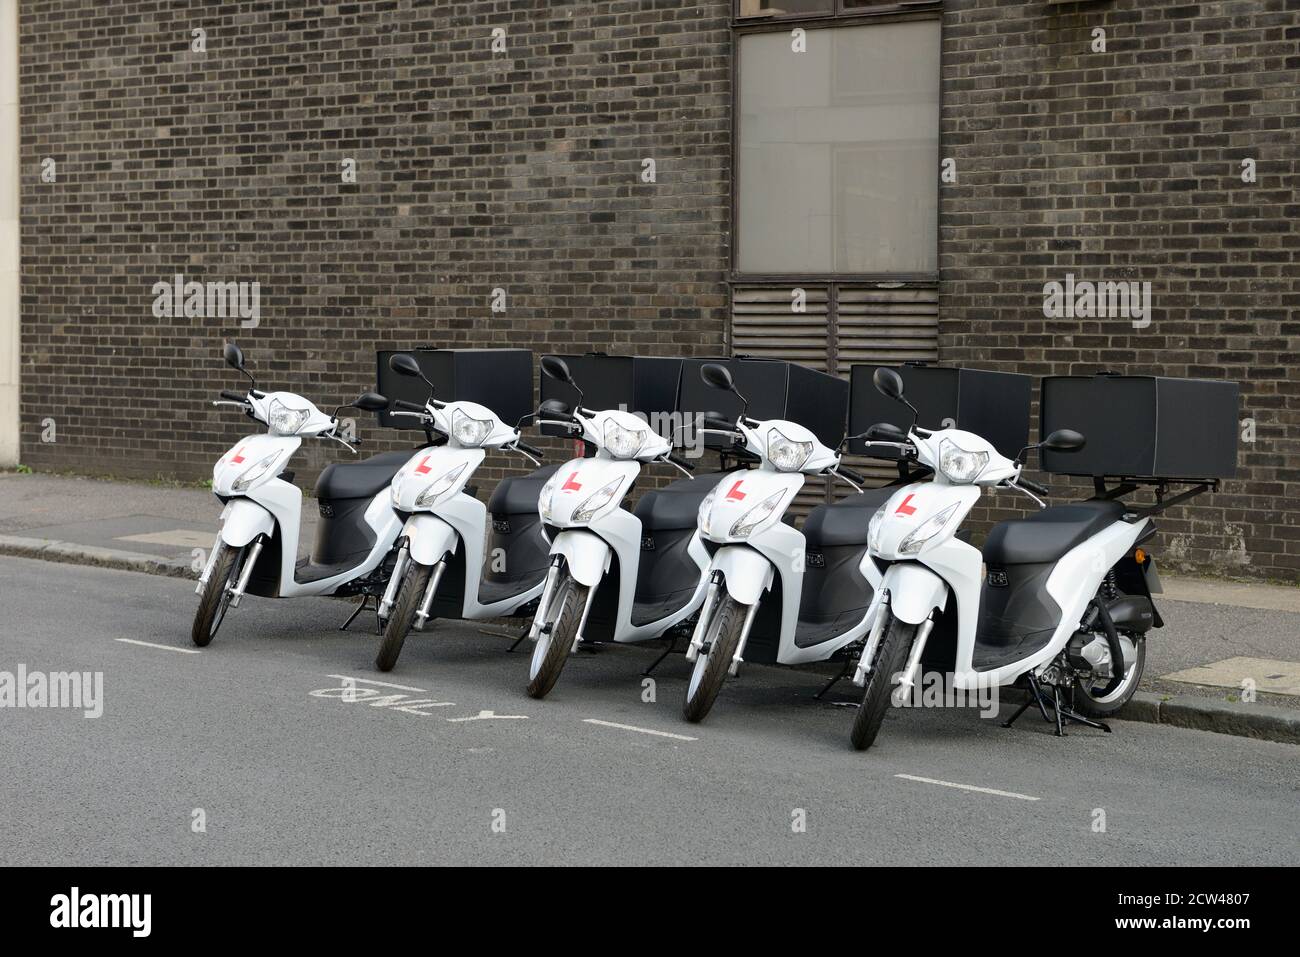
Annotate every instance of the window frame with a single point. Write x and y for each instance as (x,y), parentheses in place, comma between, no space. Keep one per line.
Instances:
(743,26)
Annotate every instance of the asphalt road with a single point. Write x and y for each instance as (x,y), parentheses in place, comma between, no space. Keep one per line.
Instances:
(285,776)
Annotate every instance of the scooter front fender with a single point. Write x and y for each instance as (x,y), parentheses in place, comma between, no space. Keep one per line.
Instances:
(746,572)
(914,591)
(243,520)
(428,538)
(586,554)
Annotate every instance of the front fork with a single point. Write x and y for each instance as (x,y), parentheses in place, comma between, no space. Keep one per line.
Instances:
(864,668)
(544,605)
(395,581)
(706,616)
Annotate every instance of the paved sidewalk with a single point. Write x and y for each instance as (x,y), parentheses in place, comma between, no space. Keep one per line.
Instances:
(1216,633)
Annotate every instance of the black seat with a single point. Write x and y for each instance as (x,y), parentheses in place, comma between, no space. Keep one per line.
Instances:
(517,494)
(364,479)
(676,505)
(1049,534)
(845,522)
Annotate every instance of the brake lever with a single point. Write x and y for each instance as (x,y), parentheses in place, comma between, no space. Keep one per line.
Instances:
(331,435)
(1022,489)
(516,448)
(836,473)
(240,405)
(667,457)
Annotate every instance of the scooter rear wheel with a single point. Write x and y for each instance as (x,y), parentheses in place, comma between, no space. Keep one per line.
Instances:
(891,659)
(1097,702)
(711,669)
(553,645)
(409,596)
(215,598)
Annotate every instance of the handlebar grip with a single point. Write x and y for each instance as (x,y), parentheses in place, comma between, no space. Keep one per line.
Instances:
(680,462)
(233,396)
(1033,486)
(406,406)
(531,450)
(851,475)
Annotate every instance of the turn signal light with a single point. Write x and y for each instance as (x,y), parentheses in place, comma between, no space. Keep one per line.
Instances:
(1139,556)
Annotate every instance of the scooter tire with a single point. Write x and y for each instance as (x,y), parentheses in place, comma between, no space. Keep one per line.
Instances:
(891,659)
(570,599)
(727,624)
(214,599)
(409,596)
(1086,704)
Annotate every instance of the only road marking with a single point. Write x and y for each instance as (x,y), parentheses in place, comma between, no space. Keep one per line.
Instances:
(968,787)
(150,644)
(632,727)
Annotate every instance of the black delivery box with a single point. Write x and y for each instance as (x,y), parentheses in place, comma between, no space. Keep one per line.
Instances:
(642,385)
(1142,426)
(501,379)
(993,405)
(776,389)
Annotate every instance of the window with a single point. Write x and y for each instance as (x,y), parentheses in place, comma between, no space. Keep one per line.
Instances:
(838,151)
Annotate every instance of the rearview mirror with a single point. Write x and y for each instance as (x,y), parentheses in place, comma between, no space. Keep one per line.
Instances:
(556,368)
(1064,440)
(553,408)
(370,402)
(717,376)
(888,383)
(403,363)
(234,356)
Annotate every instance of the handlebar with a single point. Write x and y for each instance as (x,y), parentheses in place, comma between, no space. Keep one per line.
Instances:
(407,406)
(531,450)
(851,475)
(1033,486)
(233,396)
(679,462)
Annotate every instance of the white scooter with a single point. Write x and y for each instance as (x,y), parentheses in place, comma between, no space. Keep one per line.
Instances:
(820,581)
(443,569)
(256,550)
(614,574)
(1066,601)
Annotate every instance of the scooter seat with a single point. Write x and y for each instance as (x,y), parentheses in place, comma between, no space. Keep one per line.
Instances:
(517,494)
(364,479)
(1047,535)
(845,522)
(676,505)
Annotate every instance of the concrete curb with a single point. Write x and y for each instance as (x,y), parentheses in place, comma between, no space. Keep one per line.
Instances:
(1183,711)
(73,554)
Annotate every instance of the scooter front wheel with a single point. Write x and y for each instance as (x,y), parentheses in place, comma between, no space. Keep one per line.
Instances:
(711,667)
(891,659)
(556,639)
(411,592)
(215,598)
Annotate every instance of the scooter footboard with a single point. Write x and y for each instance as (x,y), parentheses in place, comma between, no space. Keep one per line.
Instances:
(243,520)
(914,591)
(586,554)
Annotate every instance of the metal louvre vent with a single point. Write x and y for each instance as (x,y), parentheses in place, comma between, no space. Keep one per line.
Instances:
(839,325)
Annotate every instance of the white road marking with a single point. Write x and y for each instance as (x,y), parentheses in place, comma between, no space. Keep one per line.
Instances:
(968,787)
(150,644)
(382,684)
(488,715)
(632,727)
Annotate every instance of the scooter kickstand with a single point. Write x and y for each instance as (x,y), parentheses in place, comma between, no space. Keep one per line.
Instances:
(834,681)
(672,644)
(357,611)
(520,640)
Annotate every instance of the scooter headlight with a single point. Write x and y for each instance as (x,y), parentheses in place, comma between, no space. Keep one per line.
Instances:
(786,454)
(468,430)
(444,482)
(544,497)
(873,529)
(285,420)
(254,472)
(596,501)
(958,465)
(932,527)
(623,443)
(706,511)
(756,515)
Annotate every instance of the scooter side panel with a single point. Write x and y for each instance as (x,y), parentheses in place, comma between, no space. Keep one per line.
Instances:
(914,591)
(746,573)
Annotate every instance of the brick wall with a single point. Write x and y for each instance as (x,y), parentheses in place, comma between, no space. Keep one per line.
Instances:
(475,170)
(1126,165)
